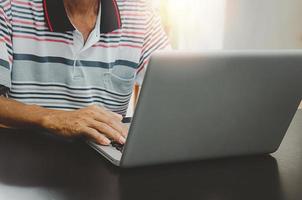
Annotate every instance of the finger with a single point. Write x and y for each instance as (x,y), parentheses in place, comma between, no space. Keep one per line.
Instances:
(117,125)
(108,131)
(114,115)
(118,116)
(102,110)
(125,130)
(110,118)
(96,136)
(112,122)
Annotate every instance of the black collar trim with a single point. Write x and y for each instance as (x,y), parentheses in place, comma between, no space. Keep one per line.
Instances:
(58,21)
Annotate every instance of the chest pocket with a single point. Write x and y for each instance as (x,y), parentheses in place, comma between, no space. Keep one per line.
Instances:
(122,78)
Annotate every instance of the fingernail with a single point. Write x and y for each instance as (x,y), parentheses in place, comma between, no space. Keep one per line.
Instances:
(122,140)
(107,141)
(125,133)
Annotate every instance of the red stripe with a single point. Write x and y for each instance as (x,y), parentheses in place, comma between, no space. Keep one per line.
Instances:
(116,46)
(148,59)
(28,3)
(7,5)
(5,16)
(10,59)
(154,40)
(142,66)
(28,23)
(40,40)
(126,33)
(157,47)
(145,63)
(117,13)
(6,39)
(47,16)
(126,13)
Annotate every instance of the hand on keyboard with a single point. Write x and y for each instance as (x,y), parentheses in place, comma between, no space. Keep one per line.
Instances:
(118,146)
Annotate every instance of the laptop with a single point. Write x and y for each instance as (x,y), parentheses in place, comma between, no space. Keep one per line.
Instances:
(207,105)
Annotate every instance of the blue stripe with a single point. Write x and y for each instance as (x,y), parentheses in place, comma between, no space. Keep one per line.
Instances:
(121,41)
(28,8)
(152,49)
(71,96)
(70,100)
(134,28)
(71,88)
(45,29)
(3,27)
(31,11)
(61,107)
(122,112)
(4,63)
(46,34)
(79,63)
(14,14)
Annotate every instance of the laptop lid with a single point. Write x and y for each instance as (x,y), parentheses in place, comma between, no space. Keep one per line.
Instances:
(213,104)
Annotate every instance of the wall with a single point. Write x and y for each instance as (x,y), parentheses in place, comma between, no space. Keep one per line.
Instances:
(194,24)
(263,24)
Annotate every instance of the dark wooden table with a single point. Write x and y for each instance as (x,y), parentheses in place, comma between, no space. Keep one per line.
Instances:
(34,166)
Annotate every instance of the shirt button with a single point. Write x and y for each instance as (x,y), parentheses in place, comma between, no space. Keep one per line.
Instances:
(106,80)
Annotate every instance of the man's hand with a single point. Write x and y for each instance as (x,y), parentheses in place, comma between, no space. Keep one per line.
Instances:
(92,122)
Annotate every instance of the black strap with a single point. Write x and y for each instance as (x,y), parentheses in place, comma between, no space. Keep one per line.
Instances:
(4,90)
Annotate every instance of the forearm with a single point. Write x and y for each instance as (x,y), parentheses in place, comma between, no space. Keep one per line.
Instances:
(14,114)
(93,122)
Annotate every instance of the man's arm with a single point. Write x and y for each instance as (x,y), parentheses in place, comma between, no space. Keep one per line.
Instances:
(92,122)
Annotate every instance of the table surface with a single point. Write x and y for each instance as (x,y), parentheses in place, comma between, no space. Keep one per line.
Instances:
(36,166)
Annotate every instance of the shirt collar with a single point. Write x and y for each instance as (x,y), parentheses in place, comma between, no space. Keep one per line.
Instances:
(58,21)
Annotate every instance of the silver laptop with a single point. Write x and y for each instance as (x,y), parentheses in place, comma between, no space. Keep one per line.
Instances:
(205,105)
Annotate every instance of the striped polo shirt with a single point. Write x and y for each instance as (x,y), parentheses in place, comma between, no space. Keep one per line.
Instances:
(45,61)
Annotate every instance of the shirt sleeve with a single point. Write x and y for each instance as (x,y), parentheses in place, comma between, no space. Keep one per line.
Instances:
(155,39)
(6,49)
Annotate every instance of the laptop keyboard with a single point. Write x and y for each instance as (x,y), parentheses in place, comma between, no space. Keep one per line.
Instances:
(118,146)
